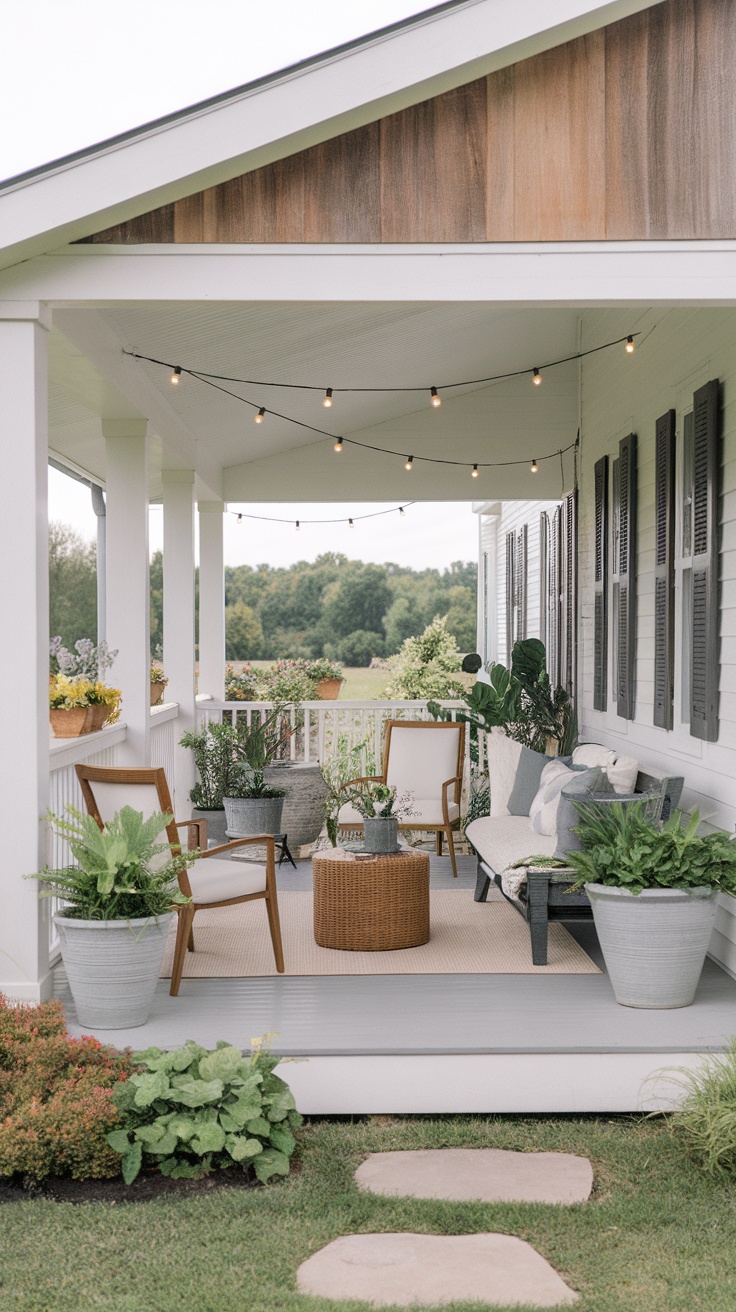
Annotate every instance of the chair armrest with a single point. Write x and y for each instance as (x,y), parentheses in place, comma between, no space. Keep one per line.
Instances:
(457,781)
(268,839)
(201,833)
(364,779)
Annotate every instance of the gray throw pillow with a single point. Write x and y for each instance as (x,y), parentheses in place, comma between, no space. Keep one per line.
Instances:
(526,781)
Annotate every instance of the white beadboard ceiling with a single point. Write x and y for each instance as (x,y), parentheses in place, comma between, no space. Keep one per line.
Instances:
(336,344)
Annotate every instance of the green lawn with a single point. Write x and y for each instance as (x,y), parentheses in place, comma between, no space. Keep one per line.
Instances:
(657,1236)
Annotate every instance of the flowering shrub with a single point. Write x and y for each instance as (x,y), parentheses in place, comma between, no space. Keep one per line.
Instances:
(56,1096)
(245,686)
(90,662)
(425,665)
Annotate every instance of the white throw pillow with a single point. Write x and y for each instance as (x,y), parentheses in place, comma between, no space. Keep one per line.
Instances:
(543,814)
(622,774)
(591,754)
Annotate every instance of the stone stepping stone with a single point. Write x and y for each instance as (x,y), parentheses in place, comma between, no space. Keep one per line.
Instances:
(488,1175)
(430,1270)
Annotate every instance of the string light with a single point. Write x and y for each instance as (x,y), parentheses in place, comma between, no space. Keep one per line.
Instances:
(298,526)
(436,398)
(258,419)
(175,378)
(338,445)
(350,522)
(535,466)
(401,510)
(474,474)
(409,463)
(537,378)
(327,403)
(629,346)
(240,519)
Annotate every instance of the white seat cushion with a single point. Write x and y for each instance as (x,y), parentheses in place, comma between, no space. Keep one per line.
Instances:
(502,840)
(216,880)
(423,812)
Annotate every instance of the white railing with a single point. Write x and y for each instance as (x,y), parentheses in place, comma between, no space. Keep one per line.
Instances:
(164,736)
(319,726)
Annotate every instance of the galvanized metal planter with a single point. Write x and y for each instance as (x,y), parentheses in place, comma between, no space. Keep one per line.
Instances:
(654,942)
(381,833)
(113,967)
(216,825)
(248,816)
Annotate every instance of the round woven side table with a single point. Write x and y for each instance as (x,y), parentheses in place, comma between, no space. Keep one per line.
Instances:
(371,905)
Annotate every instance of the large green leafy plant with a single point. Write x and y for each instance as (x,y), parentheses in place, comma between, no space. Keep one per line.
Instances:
(117,876)
(192,1111)
(623,848)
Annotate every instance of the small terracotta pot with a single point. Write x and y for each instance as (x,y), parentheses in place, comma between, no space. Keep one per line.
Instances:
(157,693)
(70,723)
(328,690)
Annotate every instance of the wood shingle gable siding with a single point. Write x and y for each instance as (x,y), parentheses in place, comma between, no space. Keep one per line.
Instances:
(627,133)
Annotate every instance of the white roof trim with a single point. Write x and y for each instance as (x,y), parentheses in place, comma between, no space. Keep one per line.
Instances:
(179,155)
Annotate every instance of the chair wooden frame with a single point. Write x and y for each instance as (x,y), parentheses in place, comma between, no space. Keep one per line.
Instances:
(455,783)
(196,837)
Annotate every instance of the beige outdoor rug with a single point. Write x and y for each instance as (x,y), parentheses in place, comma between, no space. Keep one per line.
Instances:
(467,938)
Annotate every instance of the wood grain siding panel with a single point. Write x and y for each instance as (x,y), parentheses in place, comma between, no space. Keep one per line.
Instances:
(559,123)
(433,162)
(627,133)
(501,156)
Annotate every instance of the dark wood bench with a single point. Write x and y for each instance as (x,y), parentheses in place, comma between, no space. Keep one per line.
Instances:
(547,896)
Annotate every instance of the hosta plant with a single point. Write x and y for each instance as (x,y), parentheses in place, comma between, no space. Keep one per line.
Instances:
(624,848)
(192,1111)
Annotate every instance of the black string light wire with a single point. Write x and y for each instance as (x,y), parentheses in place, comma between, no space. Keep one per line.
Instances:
(350,520)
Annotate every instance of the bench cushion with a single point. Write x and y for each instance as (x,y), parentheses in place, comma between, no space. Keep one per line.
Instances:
(502,840)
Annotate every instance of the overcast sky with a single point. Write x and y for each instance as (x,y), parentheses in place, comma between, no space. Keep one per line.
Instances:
(78,71)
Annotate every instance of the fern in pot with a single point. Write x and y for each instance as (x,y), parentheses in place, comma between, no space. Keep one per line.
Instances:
(653,888)
(119,898)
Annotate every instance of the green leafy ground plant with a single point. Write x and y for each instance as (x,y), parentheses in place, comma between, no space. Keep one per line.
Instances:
(706,1121)
(623,848)
(192,1111)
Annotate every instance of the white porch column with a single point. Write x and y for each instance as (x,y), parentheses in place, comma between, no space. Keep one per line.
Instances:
(128,590)
(179,622)
(24,617)
(211,599)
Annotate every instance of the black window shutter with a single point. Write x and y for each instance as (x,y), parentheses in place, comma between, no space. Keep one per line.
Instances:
(510,593)
(600,583)
(664,570)
(626,628)
(569,591)
(704,665)
(543,568)
(521,588)
(553,601)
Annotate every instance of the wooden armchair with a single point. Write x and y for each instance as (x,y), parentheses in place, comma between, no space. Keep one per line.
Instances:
(218,883)
(424,758)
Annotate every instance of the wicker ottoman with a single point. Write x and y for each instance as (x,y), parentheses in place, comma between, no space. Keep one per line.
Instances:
(371,905)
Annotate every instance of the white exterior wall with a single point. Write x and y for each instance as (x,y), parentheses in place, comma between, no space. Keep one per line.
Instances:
(514,514)
(620,395)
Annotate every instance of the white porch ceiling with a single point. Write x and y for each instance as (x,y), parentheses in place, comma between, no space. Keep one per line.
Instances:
(330,344)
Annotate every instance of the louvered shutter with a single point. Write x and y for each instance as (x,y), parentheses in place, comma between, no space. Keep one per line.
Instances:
(664,570)
(600,585)
(521,581)
(704,664)
(543,568)
(510,592)
(626,625)
(553,601)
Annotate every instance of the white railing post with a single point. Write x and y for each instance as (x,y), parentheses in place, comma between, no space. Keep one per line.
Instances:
(178,495)
(24,607)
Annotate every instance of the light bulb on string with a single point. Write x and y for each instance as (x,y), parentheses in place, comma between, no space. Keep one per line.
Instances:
(338,445)
(435,398)
(474,473)
(240,519)
(535,466)
(297,526)
(537,378)
(350,522)
(409,464)
(175,378)
(629,346)
(401,510)
(327,403)
(258,419)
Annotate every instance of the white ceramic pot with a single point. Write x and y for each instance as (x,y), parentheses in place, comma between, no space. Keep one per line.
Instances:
(113,968)
(654,942)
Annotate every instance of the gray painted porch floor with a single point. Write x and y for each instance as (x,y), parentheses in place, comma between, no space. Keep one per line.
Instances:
(423,1014)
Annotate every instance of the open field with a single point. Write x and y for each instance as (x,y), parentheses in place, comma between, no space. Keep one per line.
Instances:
(656,1235)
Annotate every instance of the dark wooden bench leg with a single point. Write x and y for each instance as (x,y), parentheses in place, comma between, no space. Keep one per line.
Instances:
(482,885)
(537,895)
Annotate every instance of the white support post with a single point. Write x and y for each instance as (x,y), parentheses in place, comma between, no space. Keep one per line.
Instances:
(178,485)
(211,599)
(24,612)
(128,590)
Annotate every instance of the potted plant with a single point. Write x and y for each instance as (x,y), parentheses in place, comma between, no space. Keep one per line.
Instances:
(158,683)
(653,888)
(381,810)
(79,701)
(213,747)
(252,805)
(120,899)
(328,678)
(68,706)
